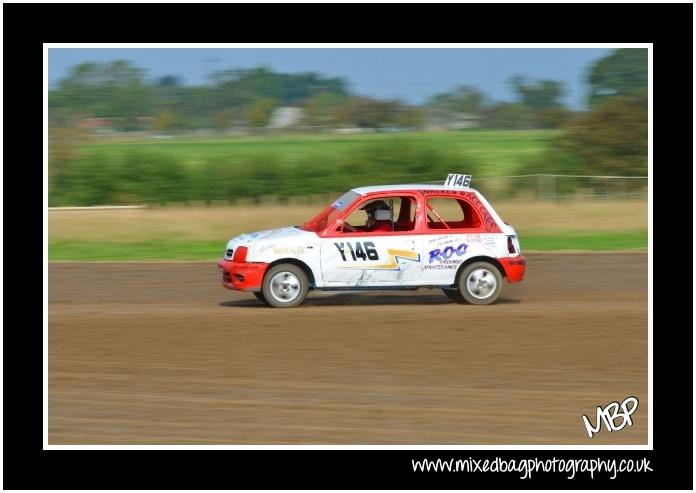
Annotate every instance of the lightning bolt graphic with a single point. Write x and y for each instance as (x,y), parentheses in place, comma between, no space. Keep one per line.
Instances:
(393,263)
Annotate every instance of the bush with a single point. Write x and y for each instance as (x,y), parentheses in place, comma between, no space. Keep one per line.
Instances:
(126,177)
(130,175)
(612,139)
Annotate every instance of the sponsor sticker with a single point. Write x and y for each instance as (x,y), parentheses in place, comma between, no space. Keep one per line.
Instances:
(439,255)
(293,250)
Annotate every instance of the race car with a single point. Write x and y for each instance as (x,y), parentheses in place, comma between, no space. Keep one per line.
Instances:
(411,236)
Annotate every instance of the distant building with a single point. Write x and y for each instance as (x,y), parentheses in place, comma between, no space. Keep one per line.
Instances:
(452,121)
(145,121)
(96,123)
(285,117)
(353,130)
(108,125)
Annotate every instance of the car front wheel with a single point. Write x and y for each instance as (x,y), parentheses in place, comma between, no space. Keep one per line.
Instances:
(285,286)
(480,283)
(259,296)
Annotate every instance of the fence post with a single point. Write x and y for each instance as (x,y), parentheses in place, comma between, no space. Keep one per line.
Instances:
(546,186)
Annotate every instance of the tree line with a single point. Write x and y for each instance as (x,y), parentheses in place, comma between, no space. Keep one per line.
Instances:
(609,138)
(120,93)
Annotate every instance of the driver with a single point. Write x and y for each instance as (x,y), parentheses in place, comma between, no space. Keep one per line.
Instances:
(379,218)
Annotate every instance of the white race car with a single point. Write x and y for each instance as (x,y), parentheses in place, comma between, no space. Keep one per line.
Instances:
(383,237)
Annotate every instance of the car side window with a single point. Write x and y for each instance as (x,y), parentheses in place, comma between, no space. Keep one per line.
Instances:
(450,213)
(382,215)
(406,218)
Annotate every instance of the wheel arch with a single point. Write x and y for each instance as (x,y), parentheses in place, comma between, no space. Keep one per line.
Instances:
(479,258)
(299,263)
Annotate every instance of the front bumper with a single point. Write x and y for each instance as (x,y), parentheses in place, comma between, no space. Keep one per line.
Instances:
(514,267)
(242,276)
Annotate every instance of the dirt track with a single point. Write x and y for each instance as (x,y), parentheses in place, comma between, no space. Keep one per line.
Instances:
(161,353)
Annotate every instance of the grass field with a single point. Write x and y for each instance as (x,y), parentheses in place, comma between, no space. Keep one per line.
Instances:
(200,233)
(180,170)
(500,150)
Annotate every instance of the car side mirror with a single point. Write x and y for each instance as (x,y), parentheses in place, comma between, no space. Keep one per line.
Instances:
(339,226)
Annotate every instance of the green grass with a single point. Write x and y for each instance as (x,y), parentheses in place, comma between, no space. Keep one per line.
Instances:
(211,250)
(624,240)
(501,150)
(145,250)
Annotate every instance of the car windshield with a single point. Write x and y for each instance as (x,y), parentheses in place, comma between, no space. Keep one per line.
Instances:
(326,217)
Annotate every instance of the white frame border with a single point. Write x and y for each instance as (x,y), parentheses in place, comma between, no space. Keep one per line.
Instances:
(47,46)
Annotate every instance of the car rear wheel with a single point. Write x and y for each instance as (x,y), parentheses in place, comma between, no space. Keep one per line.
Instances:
(480,283)
(285,286)
(454,295)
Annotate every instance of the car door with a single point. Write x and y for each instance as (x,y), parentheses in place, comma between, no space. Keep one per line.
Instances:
(453,233)
(373,258)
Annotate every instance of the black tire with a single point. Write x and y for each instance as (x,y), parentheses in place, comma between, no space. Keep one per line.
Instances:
(454,295)
(259,296)
(285,286)
(480,283)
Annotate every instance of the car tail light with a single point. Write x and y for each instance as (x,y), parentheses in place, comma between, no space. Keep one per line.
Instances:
(511,245)
(240,254)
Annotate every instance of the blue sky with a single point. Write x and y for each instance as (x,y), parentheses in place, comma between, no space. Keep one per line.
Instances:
(409,74)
